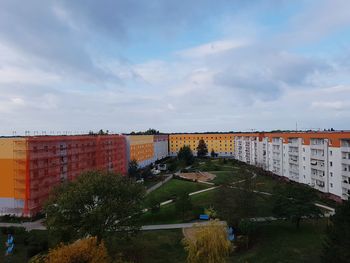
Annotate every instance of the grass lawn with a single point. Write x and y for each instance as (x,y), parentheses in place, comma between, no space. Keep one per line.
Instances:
(154,247)
(169,215)
(173,188)
(227,177)
(281,242)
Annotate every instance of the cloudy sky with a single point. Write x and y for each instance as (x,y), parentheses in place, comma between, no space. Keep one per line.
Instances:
(185,65)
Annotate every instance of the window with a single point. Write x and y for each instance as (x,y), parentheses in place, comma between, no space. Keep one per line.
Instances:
(330,153)
(331,174)
(331,185)
(330,163)
(303,149)
(304,158)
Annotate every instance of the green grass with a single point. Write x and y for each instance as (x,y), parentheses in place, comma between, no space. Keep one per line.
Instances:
(173,188)
(169,215)
(280,241)
(155,247)
(227,177)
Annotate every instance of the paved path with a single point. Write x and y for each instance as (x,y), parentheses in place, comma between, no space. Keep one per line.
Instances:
(35,225)
(176,226)
(157,185)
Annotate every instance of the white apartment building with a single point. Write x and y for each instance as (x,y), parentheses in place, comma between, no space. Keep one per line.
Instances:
(318,159)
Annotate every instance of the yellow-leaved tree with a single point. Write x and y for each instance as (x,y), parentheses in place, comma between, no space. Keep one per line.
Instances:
(207,243)
(87,250)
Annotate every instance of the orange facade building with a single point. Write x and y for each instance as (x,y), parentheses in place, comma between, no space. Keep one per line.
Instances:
(31,166)
(221,143)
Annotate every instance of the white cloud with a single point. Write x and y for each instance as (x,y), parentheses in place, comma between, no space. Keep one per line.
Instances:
(211,48)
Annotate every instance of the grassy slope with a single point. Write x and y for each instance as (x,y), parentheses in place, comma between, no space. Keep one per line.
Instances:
(282,242)
(173,188)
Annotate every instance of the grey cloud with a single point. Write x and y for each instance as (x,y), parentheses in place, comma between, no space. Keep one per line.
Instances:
(264,73)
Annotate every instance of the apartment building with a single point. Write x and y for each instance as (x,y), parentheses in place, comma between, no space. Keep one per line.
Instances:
(31,166)
(146,149)
(161,146)
(141,149)
(318,159)
(221,143)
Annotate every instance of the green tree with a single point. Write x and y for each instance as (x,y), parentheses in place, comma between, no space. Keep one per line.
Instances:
(212,153)
(185,154)
(294,203)
(133,170)
(336,248)
(235,204)
(183,203)
(202,149)
(95,204)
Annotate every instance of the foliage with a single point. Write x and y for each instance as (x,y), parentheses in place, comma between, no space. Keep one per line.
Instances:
(209,244)
(185,154)
(146,173)
(95,204)
(133,170)
(336,247)
(247,228)
(202,149)
(210,212)
(236,204)
(212,153)
(294,203)
(183,203)
(148,132)
(154,204)
(84,250)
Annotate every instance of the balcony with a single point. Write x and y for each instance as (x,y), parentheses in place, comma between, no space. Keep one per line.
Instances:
(294,153)
(317,156)
(345,173)
(345,149)
(345,184)
(345,161)
(317,146)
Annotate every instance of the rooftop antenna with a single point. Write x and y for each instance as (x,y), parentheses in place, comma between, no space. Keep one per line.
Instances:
(296,126)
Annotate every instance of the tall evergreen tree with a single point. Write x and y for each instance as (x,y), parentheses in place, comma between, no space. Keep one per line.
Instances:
(185,154)
(202,149)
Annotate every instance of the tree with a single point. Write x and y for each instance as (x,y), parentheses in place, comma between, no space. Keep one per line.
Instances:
(246,227)
(95,204)
(336,247)
(212,153)
(185,154)
(133,170)
(87,250)
(183,203)
(202,149)
(294,203)
(234,204)
(209,243)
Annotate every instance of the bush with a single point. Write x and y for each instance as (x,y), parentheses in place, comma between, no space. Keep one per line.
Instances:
(83,250)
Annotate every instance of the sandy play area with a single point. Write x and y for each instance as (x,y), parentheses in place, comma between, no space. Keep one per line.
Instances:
(199,176)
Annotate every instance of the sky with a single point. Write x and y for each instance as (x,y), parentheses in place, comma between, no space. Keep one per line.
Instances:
(176,66)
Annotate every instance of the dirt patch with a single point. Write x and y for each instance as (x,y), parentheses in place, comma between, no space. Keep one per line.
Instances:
(199,176)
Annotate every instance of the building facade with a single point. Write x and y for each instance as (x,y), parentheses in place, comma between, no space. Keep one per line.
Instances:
(32,166)
(141,149)
(146,149)
(221,143)
(161,146)
(318,159)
